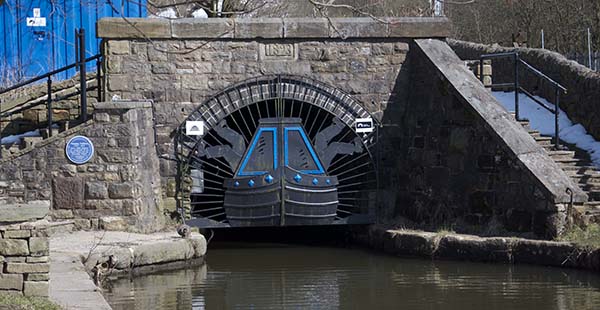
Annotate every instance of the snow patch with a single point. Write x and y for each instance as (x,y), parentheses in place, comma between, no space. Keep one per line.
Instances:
(17,138)
(167,13)
(542,120)
(199,13)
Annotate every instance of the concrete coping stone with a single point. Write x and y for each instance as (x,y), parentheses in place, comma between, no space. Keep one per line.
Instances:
(273,28)
(508,250)
(123,105)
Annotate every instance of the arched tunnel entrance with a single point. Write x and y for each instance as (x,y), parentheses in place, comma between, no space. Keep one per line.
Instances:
(279,151)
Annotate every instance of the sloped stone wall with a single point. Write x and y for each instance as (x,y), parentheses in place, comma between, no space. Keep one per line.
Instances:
(463,162)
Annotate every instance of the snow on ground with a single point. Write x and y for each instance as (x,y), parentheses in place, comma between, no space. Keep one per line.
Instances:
(16,138)
(168,13)
(543,120)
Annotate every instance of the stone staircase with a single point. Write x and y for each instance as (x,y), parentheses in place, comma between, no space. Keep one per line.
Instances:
(578,165)
(65,114)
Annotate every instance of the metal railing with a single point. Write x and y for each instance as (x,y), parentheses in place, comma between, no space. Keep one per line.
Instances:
(516,86)
(80,63)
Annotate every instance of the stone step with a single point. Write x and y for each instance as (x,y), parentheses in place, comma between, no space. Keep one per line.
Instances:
(543,140)
(586,179)
(570,161)
(592,205)
(580,169)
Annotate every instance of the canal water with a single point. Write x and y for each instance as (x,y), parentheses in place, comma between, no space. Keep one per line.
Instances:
(274,276)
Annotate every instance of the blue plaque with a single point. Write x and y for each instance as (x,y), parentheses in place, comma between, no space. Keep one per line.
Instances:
(79,150)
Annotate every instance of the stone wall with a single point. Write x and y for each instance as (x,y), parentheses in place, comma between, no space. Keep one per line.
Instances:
(462,161)
(24,252)
(118,181)
(188,61)
(583,84)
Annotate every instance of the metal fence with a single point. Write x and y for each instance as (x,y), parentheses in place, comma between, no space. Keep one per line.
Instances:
(584,59)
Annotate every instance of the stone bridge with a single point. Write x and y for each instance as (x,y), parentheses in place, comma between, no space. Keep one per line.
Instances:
(293,93)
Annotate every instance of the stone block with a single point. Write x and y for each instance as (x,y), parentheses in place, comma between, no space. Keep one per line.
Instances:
(121,190)
(113,223)
(35,288)
(27,268)
(419,27)
(194,82)
(357,27)
(268,28)
(40,259)
(305,28)
(15,259)
(11,282)
(162,252)
(116,28)
(202,28)
(119,82)
(116,47)
(61,214)
(82,224)
(102,117)
(17,234)
(39,246)
(68,192)
(21,212)
(96,190)
(37,277)
(13,247)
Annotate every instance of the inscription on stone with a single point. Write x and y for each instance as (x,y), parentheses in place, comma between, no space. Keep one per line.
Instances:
(277,51)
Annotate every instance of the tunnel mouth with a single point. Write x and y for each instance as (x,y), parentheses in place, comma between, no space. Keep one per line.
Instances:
(234,119)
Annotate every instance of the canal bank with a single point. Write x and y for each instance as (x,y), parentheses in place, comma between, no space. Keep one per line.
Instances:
(506,250)
(79,259)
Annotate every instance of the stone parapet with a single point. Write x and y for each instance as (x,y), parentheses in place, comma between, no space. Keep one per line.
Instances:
(274,28)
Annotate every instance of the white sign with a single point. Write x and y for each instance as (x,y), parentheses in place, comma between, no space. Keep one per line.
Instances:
(364,125)
(37,20)
(194,128)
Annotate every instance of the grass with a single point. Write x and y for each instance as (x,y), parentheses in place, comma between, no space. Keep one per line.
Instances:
(588,237)
(16,302)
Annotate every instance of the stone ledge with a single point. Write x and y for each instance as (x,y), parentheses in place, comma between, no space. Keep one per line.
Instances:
(21,212)
(273,28)
(473,248)
(123,105)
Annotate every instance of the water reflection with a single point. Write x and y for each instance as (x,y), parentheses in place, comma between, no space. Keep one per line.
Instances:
(295,277)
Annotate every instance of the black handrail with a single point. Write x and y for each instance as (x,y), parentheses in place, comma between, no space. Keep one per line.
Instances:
(49,74)
(517,61)
(80,63)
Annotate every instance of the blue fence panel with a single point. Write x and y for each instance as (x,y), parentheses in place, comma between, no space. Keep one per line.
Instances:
(30,47)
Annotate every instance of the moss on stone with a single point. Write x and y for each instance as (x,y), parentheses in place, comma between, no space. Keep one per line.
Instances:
(588,237)
(18,302)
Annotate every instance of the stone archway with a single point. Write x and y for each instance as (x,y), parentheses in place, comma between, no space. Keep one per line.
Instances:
(231,118)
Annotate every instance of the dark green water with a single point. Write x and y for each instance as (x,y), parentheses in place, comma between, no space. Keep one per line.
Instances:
(299,277)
